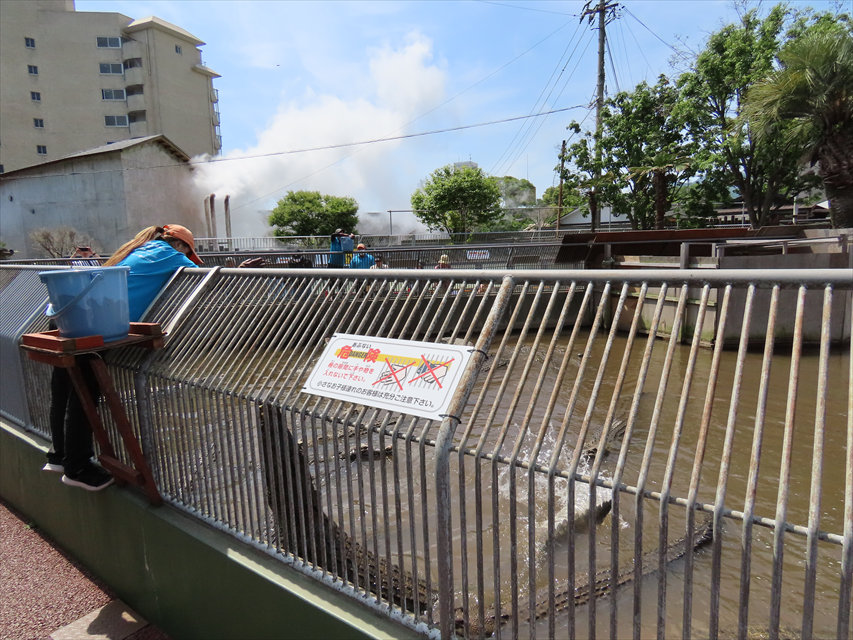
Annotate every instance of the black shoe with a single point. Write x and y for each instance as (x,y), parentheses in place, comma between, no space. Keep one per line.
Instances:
(91,478)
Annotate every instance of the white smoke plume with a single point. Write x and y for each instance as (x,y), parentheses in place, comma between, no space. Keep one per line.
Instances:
(403,83)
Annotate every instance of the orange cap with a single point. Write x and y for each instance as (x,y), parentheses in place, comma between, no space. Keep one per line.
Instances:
(182,233)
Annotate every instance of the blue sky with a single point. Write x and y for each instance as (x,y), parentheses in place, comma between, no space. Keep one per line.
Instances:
(309,75)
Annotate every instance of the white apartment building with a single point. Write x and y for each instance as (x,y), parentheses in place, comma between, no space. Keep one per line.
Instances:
(71,81)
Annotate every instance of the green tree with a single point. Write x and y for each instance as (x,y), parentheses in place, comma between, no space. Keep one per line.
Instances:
(763,172)
(458,200)
(309,213)
(572,199)
(516,192)
(643,158)
(809,100)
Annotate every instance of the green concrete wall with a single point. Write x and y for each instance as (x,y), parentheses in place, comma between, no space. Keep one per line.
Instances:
(183,576)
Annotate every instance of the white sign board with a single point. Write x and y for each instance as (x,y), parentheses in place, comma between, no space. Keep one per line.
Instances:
(416,378)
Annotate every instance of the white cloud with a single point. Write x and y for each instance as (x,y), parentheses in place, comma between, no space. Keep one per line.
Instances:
(403,82)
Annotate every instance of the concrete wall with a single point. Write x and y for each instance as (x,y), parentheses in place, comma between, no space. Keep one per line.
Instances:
(108,196)
(188,579)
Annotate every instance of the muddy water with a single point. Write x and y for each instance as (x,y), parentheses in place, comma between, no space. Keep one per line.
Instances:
(514,503)
(508,510)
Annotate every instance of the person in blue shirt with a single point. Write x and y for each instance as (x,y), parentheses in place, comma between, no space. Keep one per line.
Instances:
(361,259)
(336,256)
(154,255)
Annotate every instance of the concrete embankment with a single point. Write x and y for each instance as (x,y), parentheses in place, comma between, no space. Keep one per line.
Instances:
(178,573)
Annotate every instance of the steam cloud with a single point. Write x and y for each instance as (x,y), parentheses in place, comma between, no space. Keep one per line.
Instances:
(403,83)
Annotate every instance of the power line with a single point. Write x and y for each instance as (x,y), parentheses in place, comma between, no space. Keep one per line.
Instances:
(524,130)
(628,11)
(307,149)
(531,136)
(391,138)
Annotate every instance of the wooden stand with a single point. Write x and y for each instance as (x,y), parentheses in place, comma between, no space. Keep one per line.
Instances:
(50,348)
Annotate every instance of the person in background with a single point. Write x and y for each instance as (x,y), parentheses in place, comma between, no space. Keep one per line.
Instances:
(380,263)
(361,259)
(336,256)
(85,257)
(154,255)
(443,262)
(347,243)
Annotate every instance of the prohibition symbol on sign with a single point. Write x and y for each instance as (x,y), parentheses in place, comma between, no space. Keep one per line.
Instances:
(397,375)
(430,374)
(412,377)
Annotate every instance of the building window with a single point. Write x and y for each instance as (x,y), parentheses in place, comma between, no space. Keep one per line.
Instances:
(41,149)
(35,96)
(105,42)
(38,123)
(1,168)
(30,43)
(132,63)
(111,68)
(115,121)
(136,116)
(134,90)
(112,94)
(178,49)
(32,69)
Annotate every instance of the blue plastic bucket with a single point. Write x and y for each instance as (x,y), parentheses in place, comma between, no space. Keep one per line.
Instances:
(89,301)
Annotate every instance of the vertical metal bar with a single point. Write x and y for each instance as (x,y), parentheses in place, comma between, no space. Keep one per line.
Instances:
(444,533)
(591,404)
(754,465)
(817,465)
(675,442)
(699,457)
(563,431)
(646,462)
(845,602)
(720,500)
(534,453)
(608,424)
(626,440)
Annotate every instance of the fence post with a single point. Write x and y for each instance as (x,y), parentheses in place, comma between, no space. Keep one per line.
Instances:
(443,443)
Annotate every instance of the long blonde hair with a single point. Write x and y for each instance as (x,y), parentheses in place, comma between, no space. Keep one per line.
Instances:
(146,235)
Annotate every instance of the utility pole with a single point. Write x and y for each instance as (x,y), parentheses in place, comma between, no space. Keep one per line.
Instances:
(601,9)
(560,192)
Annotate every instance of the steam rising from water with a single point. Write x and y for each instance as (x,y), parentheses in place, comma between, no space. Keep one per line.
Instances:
(402,83)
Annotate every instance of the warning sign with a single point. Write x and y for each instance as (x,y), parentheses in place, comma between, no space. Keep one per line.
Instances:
(412,377)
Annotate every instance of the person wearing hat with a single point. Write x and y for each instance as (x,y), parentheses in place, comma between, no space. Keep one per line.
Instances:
(443,262)
(361,259)
(380,263)
(154,255)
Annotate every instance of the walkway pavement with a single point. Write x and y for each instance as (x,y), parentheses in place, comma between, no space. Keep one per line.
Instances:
(46,594)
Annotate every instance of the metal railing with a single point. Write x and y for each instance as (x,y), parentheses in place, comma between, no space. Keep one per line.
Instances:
(606,466)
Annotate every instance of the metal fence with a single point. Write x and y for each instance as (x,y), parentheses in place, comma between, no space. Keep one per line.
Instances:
(605,468)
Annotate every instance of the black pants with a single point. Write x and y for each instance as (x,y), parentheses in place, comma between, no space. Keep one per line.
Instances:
(70,432)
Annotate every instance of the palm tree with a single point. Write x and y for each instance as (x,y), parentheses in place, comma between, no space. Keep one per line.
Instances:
(812,91)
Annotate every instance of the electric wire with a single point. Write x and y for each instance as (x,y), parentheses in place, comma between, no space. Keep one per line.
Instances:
(612,68)
(410,122)
(645,26)
(523,147)
(541,100)
(206,161)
